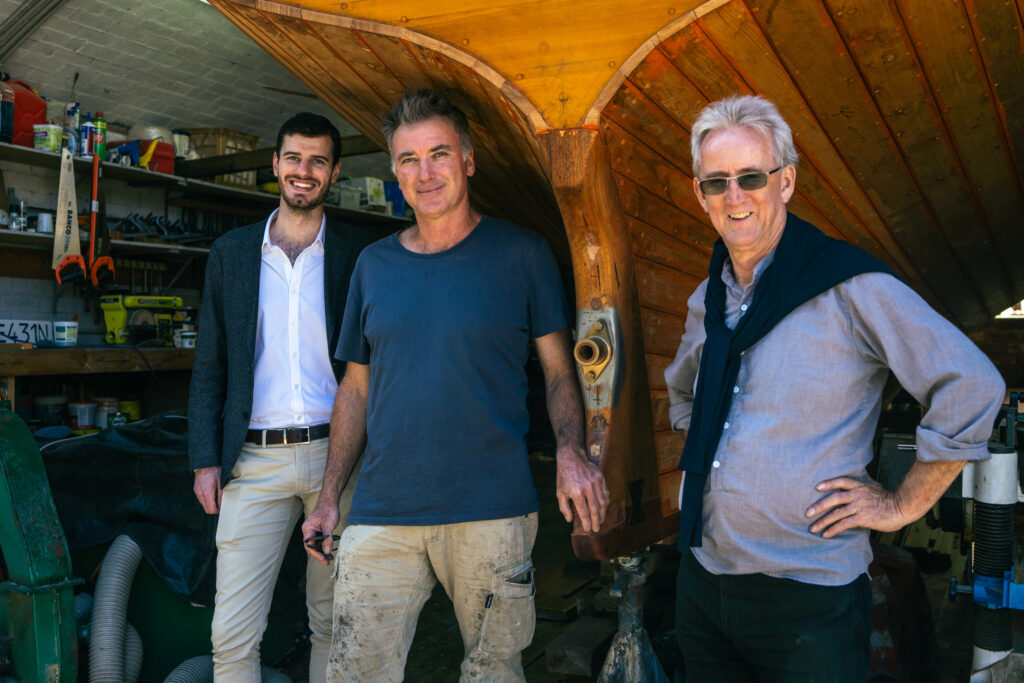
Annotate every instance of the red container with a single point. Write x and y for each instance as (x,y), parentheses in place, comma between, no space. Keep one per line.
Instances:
(29,109)
(162,159)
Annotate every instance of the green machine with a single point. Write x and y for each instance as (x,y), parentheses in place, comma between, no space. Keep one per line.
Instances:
(36,600)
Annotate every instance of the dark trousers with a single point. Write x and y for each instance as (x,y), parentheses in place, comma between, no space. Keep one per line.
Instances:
(754,627)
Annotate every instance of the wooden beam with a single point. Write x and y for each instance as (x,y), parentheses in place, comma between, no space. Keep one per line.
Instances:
(351,146)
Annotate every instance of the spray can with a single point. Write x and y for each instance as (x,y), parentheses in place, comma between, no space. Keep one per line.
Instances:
(100,146)
(70,136)
(88,137)
(72,116)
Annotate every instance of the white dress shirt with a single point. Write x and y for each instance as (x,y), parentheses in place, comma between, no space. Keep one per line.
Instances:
(294,383)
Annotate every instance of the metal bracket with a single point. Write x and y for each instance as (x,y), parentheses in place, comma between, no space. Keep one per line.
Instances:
(599,356)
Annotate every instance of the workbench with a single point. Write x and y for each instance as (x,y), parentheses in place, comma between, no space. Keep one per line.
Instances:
(18,362)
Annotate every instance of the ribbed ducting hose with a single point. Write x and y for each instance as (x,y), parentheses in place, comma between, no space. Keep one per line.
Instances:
(107,651)
(200,670)
(993,555)
(132,654)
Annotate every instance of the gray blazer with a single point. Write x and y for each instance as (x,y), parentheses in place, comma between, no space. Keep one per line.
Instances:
(220,396)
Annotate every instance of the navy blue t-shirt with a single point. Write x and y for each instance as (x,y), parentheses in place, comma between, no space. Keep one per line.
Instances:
(446,337)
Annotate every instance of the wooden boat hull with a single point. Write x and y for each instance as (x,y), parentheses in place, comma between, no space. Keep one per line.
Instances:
(905,116)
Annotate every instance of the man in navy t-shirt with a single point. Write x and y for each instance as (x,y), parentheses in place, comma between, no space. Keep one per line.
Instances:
(436,335)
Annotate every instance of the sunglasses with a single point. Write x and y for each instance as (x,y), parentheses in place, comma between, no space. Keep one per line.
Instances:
(754,180)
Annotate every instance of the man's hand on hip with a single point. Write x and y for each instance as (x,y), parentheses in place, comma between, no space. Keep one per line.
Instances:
(581,483)
(207,489)
(855,503)
(317,530)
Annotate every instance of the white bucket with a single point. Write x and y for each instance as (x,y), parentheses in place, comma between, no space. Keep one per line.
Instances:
(65,333)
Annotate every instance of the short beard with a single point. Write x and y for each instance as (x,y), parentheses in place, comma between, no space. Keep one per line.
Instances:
(314,202)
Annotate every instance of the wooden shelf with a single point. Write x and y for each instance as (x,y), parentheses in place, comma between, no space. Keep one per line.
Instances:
(36,240)
(139,177)
(89,360)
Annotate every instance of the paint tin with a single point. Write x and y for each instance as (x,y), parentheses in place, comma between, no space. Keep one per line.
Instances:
(83,414)
(46,137)
(105,407)
(132,409)
(65,333)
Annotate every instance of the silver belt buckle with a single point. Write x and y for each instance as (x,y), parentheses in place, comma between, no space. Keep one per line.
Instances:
(263,433)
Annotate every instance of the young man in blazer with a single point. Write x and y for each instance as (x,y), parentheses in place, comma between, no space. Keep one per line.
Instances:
(263,384)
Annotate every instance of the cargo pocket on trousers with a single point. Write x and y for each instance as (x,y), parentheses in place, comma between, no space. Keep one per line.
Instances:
(509,613)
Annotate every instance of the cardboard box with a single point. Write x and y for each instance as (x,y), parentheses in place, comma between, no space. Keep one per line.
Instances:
(349,197)
(371,191)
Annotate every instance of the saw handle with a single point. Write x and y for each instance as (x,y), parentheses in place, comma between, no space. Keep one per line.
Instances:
(70,268)
(101,271)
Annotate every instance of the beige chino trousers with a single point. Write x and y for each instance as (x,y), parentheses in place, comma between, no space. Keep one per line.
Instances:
(386,573)
(269,490)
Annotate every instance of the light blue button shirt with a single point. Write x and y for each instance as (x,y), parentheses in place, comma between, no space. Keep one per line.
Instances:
(805,409)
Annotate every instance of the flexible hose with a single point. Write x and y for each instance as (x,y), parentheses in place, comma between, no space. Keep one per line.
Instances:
(268,675)
(200,670)
(132,654)
(107,628)
(194,670)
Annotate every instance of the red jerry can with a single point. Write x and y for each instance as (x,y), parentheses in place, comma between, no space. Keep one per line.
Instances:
(29,109)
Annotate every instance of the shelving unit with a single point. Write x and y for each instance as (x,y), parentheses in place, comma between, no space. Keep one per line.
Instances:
(182,188)
(16,362)
(32,255)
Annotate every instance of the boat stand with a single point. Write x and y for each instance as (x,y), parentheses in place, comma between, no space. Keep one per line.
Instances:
(631,658)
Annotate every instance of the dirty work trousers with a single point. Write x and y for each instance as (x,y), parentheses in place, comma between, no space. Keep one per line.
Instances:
(754,627)
(270,488)
(385,574)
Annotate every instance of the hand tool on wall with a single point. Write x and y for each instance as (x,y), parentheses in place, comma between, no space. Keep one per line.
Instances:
(67,247)
(101,268)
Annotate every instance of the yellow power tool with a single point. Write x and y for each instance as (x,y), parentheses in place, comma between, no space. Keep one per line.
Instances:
(134,319)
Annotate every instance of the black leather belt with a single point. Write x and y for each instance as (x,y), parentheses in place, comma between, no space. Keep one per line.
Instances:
(289,436)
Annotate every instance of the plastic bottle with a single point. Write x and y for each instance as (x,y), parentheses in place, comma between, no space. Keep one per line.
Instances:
(100,146)
(88,137)
(69,140)
(6,112)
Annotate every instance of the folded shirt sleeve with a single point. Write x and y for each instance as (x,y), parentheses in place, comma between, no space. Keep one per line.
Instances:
(934,361)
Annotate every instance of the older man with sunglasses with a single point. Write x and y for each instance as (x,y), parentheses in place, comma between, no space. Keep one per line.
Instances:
(777,384)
